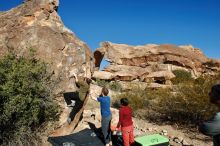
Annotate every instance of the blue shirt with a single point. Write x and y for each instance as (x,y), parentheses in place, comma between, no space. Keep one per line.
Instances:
(105,105)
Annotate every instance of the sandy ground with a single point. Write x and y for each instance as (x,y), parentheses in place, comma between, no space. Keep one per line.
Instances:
(144,127)
(92,120)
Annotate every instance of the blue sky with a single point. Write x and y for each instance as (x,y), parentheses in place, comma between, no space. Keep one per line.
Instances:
(138,22)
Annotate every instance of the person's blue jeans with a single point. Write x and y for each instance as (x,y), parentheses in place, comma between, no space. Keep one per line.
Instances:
(106,121)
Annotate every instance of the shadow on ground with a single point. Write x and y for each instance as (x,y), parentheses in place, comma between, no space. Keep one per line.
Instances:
(86,137)
(82,138)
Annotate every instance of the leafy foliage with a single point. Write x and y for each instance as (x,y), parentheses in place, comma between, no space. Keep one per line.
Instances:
(135,99)
(181,76)
(141,99)
(25,99)
(187,103)
(101,82)
(113,85)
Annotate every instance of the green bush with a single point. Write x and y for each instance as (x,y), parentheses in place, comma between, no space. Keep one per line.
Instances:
(135,100)
(25,99)
(181,76)
(141,99)
(113,85)
(189,105)
(186,104)
(102,83)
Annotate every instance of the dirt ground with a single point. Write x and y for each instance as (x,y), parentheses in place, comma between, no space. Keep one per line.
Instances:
(91,121)
(177,137)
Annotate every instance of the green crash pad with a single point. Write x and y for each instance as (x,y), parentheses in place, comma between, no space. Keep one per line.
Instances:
(152,140)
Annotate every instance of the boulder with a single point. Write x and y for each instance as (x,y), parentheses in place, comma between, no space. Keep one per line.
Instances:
(162,76)
(104,75)
(153,63)
(36,25)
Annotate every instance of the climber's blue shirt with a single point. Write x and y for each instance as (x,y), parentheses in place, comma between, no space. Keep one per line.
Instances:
(105,105)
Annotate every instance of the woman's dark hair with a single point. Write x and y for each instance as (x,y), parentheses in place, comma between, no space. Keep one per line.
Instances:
(105,91)
(124,101)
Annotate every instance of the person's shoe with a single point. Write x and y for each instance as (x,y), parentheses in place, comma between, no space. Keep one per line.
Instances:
(109,144)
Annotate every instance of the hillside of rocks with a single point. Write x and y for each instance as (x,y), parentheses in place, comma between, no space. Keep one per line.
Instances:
(151,63)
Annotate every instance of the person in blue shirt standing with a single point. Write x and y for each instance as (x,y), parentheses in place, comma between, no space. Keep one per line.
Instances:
(105,102)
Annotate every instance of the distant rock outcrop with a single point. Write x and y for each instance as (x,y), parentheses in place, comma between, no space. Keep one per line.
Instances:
(151,63)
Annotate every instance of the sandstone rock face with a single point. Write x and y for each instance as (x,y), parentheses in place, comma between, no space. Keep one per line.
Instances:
(35,24)
(104,75)
(96,90)
(152,63)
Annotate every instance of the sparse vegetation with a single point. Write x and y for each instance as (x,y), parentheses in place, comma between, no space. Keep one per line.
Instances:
(101,82)
(143,100)
(135,98)
(25,99)
(113,85)
(181,76)
(187,103)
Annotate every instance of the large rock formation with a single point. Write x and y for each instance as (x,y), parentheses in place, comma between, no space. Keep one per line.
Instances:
(151,63)
(36,25)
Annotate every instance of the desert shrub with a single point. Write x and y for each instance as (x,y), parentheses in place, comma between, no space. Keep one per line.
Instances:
(189,104)
(135,100)
(101,82)
(113,85)
(25,99)
(141,99)
(181,76)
